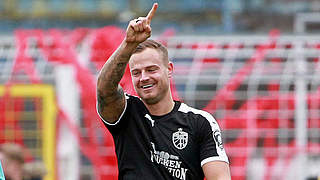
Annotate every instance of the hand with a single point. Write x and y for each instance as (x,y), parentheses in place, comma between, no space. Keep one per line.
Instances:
(139,29)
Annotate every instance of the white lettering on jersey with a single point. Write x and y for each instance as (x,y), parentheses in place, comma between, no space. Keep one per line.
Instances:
(171,162)
(149,118)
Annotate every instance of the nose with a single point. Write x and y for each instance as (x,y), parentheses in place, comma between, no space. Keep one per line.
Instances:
(144,76)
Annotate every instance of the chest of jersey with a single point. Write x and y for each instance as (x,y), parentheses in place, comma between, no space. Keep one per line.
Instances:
(173,146)
(169,143)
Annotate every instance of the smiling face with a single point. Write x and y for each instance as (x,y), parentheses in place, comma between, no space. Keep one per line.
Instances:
(151,75)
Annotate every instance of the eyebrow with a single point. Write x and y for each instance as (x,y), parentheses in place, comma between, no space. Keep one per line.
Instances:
(153,65)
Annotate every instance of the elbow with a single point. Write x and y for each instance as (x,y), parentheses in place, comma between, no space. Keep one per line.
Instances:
(102,84)
(99,81)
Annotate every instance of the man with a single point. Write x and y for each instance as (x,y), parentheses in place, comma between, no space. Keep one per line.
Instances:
(155,137)
(12,159)
(1,172)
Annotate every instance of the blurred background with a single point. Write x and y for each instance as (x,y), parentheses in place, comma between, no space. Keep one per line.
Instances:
(189,16)
(253,64)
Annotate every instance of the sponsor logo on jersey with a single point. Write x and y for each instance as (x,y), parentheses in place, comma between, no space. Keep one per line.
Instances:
(180,139)
(169,161)
(218,138)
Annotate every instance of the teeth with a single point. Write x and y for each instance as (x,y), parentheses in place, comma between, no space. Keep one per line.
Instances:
(147,86)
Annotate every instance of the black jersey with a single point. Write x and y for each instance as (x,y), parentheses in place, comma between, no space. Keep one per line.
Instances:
(173,146)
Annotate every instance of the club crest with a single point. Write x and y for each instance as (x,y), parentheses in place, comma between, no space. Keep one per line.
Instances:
(180,139)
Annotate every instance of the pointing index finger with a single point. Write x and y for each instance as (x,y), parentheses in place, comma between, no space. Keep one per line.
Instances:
(152,12)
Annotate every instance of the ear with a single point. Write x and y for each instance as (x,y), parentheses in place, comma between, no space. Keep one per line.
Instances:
(170,69)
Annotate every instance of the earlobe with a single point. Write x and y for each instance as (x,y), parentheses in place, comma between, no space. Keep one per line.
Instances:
(170,69)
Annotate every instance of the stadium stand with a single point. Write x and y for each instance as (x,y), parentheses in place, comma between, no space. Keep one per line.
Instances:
(263,90)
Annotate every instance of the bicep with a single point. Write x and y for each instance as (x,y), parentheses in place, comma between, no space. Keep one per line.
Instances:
(111,106)
(210,143)
(216,170)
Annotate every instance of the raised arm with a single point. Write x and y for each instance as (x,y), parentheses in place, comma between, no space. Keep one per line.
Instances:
(110,95)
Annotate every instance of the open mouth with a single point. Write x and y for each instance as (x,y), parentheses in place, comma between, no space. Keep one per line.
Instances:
(147,86)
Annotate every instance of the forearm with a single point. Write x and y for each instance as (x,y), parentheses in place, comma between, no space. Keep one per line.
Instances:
(110,96)
(138,31)
(113,70)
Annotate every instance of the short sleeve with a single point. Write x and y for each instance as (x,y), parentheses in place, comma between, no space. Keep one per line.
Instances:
(116,126)
(210,139)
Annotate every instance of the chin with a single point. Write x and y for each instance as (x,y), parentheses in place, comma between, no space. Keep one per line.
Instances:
(150,100)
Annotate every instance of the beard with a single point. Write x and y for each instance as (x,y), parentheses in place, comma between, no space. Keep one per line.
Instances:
(151,101)
(155,98)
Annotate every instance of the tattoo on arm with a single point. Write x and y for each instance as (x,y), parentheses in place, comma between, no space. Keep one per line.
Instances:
(104,100)
(118,73)
(110,95)
(111,73)
(101,102)
(111,106)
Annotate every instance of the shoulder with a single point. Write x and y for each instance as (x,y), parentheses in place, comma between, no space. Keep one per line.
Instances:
(134,103)
(197,113)
(133,108)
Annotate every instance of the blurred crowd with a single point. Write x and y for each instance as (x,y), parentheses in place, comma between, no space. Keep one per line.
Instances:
(15,166)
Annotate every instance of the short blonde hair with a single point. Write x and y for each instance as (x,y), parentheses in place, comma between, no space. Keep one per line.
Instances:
(153,45)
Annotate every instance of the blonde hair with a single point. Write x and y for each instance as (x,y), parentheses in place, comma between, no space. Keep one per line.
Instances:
(153,45)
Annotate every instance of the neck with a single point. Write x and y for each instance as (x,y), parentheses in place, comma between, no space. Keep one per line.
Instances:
(162,107)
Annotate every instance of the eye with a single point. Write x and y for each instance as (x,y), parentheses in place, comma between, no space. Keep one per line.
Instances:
(152,69)
(135,73)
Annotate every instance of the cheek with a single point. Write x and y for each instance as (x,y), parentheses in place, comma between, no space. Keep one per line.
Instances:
(135,81)
(159,75)
(163,77)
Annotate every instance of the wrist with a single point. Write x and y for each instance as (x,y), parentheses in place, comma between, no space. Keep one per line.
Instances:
(126,49)
(130,44)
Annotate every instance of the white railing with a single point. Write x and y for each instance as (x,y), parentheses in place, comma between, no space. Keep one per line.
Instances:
(263,90)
